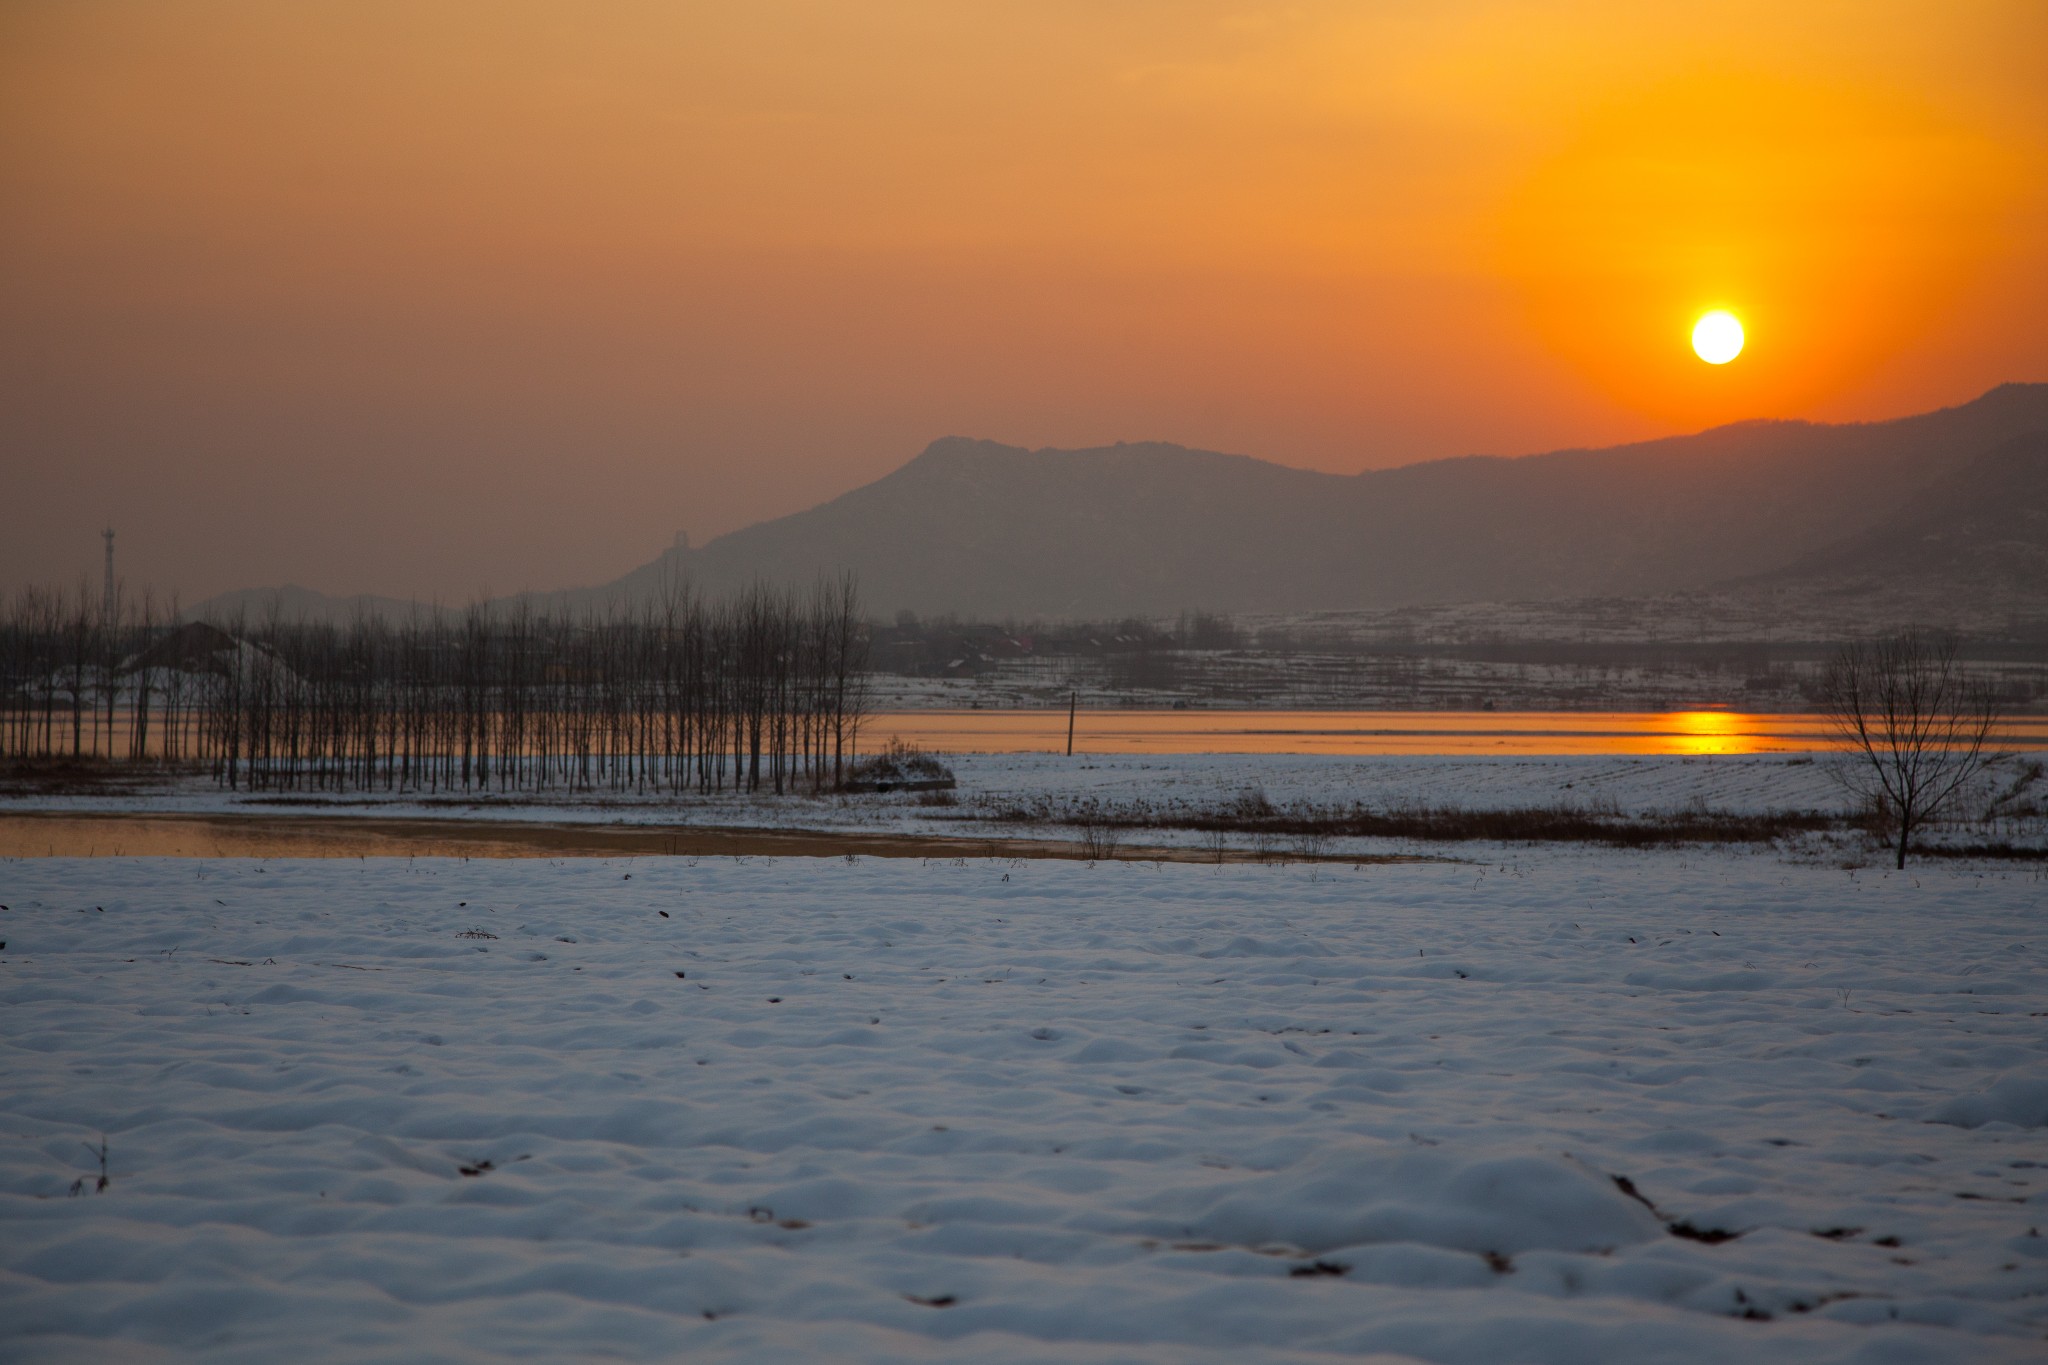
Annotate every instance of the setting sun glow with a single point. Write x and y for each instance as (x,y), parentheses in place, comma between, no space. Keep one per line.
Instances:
(1717,337)
(741,255)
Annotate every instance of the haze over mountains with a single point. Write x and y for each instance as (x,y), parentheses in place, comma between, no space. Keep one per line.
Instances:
(991,531)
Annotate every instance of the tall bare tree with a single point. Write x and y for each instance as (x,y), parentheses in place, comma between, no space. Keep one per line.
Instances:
(1918,725)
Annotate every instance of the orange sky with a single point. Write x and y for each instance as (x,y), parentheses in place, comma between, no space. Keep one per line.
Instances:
(435,298)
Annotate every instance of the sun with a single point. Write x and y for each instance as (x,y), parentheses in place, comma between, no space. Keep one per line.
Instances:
(1717,337)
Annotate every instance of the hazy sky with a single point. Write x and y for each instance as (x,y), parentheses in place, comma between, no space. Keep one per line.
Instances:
(436,297)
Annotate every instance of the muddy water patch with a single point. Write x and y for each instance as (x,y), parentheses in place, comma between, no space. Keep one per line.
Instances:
(143,835)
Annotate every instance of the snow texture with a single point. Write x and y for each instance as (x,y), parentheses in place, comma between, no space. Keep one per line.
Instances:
(1742,784)
(975,1110)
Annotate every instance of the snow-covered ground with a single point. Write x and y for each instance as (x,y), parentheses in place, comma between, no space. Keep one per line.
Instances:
(969,1110)
(1737,783)
(1057,792)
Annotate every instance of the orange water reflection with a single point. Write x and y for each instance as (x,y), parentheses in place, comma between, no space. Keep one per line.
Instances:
(1711,732)
(1380,732)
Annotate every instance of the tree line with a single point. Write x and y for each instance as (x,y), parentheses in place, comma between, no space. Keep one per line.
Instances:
(764,689)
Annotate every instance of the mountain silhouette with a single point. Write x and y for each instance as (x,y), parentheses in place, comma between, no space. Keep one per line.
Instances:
(989,530)
(1982,528)
(985,530)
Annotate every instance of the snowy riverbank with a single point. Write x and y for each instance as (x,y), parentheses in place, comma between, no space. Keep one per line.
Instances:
(1739,784)
(1152,799)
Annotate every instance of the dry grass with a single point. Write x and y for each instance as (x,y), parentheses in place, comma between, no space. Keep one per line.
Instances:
(86,776)
(1305,831)
(899,767)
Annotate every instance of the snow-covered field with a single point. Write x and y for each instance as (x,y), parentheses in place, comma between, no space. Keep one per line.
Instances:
(889,1110)
(1739,783)
(1154,793)
(1722,782)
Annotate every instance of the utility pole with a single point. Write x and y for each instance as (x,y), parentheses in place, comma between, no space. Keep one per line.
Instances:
(1073,704)
(107,602)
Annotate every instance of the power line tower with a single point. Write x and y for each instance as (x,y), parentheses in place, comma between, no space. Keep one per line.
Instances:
(107,602)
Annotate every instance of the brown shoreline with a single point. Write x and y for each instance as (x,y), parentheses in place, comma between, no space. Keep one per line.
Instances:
(144,834)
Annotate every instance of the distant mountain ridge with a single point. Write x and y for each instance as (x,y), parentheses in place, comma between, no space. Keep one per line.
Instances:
(988,530)
(1985,526)
(984,529)
(294,603)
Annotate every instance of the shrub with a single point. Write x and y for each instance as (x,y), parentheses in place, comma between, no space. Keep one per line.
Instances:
(898,765)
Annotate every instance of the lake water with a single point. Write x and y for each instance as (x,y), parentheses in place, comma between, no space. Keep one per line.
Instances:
(1379,732)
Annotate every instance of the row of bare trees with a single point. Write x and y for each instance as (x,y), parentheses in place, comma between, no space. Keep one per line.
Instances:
(62,692)
(762,690)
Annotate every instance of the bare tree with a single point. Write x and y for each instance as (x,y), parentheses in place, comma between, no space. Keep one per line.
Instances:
(1916,722)
(846,668)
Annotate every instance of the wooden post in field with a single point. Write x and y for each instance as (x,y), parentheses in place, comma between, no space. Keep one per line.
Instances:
(1073,702)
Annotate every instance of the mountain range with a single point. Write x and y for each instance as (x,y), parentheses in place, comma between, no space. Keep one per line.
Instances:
(990,531)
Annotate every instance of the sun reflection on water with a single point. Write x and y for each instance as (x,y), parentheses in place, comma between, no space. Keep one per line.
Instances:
(1709,732)
(1699,733)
